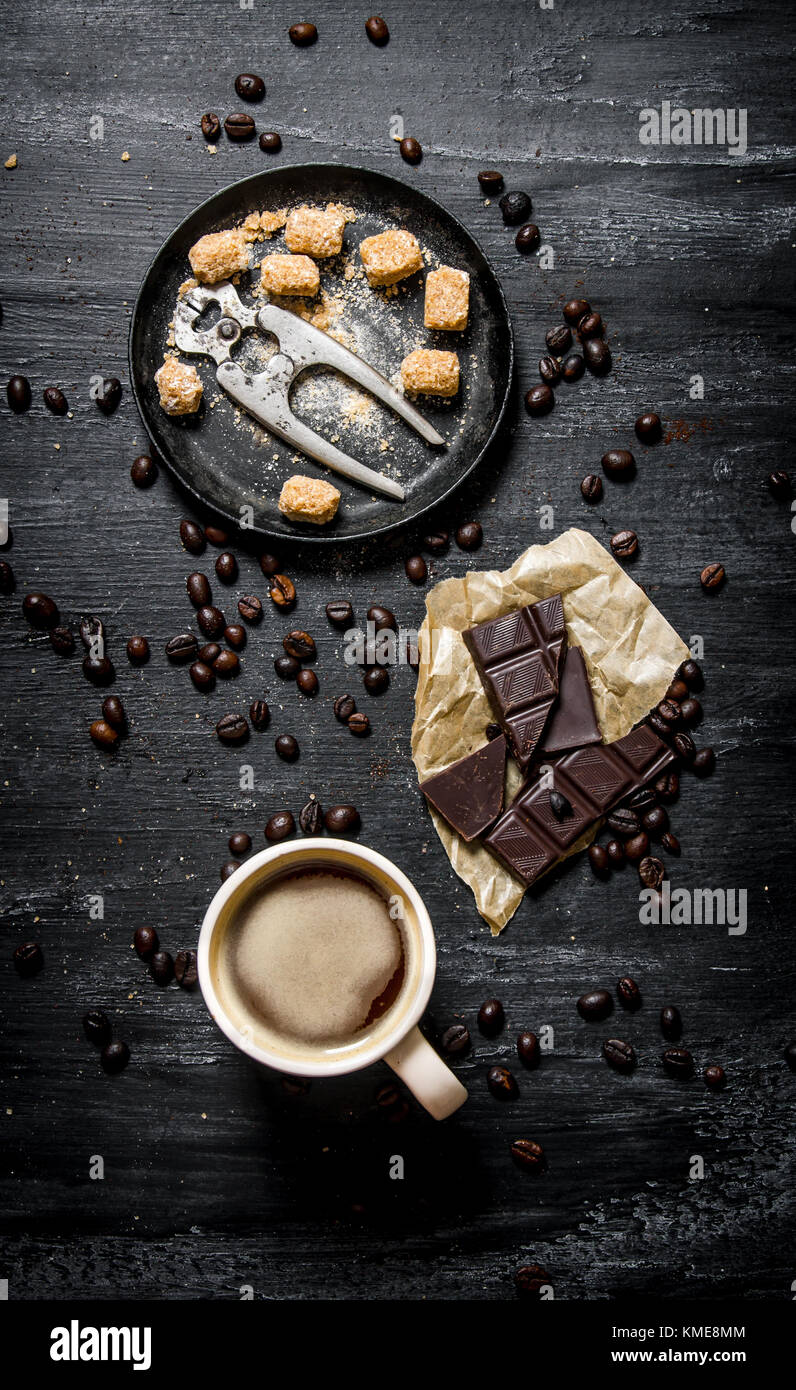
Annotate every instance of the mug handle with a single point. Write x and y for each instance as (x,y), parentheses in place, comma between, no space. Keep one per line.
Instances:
(426,1075)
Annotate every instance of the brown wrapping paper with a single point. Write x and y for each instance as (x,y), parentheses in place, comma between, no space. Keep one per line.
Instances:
(631,654)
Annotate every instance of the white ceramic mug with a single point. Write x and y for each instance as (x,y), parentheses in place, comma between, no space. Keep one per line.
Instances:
(395,1038)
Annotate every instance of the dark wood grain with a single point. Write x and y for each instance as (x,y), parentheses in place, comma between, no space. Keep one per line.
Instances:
(213,1177)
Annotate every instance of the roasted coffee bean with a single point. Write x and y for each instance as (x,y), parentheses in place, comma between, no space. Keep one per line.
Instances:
(677,1061)
(137,650)
(529,1281)
(300,645)
(210,126)
(539,400)
(340,613)
(619,1054)
(592,487)
(575,309)
(286,667)
(655,822)
(359,725)
(528,1049)
(97,1028)
(642,800)
(528,1155)
(558,340)
(98,669)
(216,535)
(416,569)
(527,238)
(344,707)
(662,729)
(714,1076)
(211,620)
(596,1004)
(208,653)
(779,485)
(670,711)
(146,941)
(648,427)
(307,682)
(7,580)
(411,149)
(678,690)
(228,869)
(637,847)
(516,208)
(240,127)
(559,805)
(382,618)
(388,1097)
(599,861)
(628,992)
(249,86)
(287,747)
(549,371)
(280,826)
(250,608)
(18,394)
(490,180)
(470,535)
(40,610)
(113,711)
(296,1085)
(590,326)
(161,967)
(618,464)
(226,663)
(143,471)
(62,640)
(790,1055)
(671,1022)
(311,817)
(493,731)
(670,843)
(182,648)
(691,673)
(269,564)
(597,356)
(259,714)
(232,728)
(92,633)
(624,544)
(691,710)
(704,762)
(186,972)
(239,842)
(685,747)
(624,822)
(501,1083)
(114,1057)
(55,400)
(456,1040)
(227,567)
(28,959)
(198,589)
(616,853)
(342,820)
(491,1017)
(377,30)
(651,872)
(302,35)
(282,591)
(712,577)
(270,142)
(437,543)
(235,635)
(376,680)
(573,367)
(109,395)
(192,536)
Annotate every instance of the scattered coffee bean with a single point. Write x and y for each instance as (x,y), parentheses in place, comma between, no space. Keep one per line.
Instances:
(596,1004)
(7,580)
(280,826)
(359,725)
(516,208)
(573,367)
(137,650)
(592,487)
(501,1083)
(18,394)
(226,664)
(528,1155)
(311,817)
(549,371)
(575,309)
(685,747)
(529,1280)
(382,618)
(259,714)
(411,149)
(228,869)
(590,326)
(270,142)
(714,1076)
(616,853)
(307,682)
(416,569)
(40,610)
(618,464)
(296,1085)
(249,86)
(597,356)
(624,822)
(146,941)
(250,608)
(779,485)
(628,992)
(109,395)
(186,971)
(704,762)
(182,648)
(670,843)
(209,653)
(240,127)
(790,1055)
(470,535)
(286,667)
(651,872)
(560,806)
(655,822)
(677,1061)
(239,842)
(210,126)
(282,591)
(198,589)
(376,680)
(344,707)
(456,1040)
(669,710)
(671,1022)
(114,1057)
(143,471)
(678,690)
(648,427)
(302,35)
(98,669)
(528,1049)
(235,635)
(161,967)
(232,728)
(28,959)
(377,30)
(558,340)
(619,1054)
(493,731)
(97,1028)
(226,567)
(624,544)
(642,800)
(712,577)
(599,861)
(491,1017)
(340,613)
(113,711)
(637,847)
(539,400)
(269,564)
(691,710)
(300,645)
(192,536)
(287,747)
(342,820)
(490,180)
(662,729)
(62,640)
(216,535)
(437,543)
(388,1096)
(527,238)
(55,400)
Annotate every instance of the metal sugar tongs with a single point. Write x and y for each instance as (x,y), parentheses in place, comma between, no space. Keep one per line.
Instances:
(265,395)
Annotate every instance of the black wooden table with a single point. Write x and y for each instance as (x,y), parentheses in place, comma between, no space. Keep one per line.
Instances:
(214,1177)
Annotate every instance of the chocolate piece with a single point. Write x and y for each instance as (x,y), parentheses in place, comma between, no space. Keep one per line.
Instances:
(519,658)
(573,722)
(469,793)
(528,837)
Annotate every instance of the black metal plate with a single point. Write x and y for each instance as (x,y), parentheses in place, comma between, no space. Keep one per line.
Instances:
(228,462)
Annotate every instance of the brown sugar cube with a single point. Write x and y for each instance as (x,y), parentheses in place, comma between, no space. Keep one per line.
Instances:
(219,255)
(447,299)
(308,499)
(390,257)
(289,275)
(430,372)
(179,387)
(315,232)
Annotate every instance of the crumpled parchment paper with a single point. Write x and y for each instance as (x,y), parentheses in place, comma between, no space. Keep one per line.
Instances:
(631,654)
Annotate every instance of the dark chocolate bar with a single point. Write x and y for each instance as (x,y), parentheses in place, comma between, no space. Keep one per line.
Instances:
(519,658)
(469,793)
(529,838)
(573,722)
